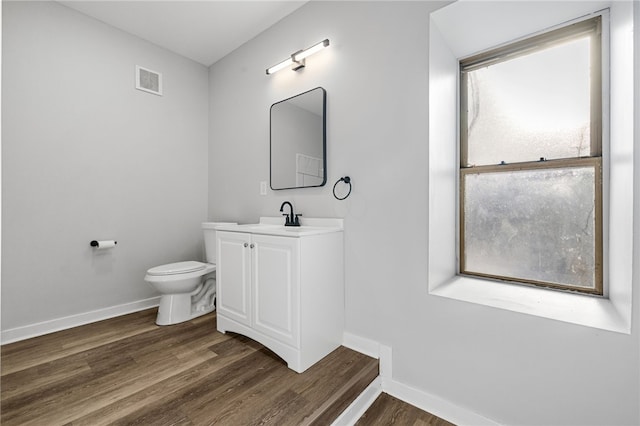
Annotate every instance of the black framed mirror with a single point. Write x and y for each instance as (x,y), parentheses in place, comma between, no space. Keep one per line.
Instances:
(298,141)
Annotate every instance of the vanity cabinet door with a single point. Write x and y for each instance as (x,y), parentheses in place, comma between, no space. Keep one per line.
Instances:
(276,287)
(233,276)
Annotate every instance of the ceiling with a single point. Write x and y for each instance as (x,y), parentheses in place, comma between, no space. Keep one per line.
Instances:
(204,31)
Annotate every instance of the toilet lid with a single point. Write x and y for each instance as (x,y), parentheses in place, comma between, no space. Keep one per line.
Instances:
(177,268)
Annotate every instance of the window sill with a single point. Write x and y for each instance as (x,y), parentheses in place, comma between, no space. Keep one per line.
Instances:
(572,308)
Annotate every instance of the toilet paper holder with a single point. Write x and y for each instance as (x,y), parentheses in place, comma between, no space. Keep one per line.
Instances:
(103,243)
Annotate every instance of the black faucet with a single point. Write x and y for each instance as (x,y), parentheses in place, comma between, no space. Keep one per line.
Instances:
(291,219)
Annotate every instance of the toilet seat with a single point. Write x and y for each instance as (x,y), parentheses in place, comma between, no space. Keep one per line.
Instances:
(177,268)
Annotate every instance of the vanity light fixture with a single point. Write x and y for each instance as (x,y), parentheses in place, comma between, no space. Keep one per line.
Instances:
(297,58)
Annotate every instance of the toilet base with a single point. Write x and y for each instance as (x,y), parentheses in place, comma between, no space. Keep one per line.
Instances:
(176,308)
(181,307)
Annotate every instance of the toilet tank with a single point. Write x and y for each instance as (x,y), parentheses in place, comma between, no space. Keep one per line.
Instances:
(209,229)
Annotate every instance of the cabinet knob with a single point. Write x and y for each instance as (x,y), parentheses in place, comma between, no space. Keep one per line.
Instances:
(245,244)
(252,246)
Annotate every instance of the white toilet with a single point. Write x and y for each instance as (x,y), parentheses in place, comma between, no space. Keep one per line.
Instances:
(188,289)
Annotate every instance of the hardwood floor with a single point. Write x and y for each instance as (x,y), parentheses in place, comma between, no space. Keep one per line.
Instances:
(387,410)
(127,370)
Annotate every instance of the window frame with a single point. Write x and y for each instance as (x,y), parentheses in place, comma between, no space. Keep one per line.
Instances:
(593,28)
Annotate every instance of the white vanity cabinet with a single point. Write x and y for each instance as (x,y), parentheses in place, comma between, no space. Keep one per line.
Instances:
(285,291)
(234,270)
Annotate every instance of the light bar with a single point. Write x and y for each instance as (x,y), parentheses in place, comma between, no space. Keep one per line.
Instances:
(280,66)
(297,58)
(310,51)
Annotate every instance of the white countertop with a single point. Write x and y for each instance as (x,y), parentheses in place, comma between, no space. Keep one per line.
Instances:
(275,226)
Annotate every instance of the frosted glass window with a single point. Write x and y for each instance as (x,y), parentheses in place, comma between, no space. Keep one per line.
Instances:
(533,106)
(534,225)
(530,160)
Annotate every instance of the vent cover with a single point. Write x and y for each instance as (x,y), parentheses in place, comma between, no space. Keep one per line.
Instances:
(148,80)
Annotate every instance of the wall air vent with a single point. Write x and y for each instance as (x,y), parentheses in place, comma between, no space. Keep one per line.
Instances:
(148,80)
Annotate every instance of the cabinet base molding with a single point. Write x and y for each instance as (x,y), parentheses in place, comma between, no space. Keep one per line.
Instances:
(287,353)
(297,360)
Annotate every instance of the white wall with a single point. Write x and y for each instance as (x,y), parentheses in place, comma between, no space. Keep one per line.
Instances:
(86,156)
(509,367)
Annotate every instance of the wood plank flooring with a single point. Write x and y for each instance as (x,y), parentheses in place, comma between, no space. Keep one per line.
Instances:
(387,410)
(128,371)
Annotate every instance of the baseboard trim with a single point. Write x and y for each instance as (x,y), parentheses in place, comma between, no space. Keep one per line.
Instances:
(361,344)
(418,398)
(360,405)
(435,405)
(38,329)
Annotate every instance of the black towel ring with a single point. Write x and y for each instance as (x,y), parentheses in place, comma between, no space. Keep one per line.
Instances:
(346,180)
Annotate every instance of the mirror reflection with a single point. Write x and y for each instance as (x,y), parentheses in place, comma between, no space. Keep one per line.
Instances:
(298,141)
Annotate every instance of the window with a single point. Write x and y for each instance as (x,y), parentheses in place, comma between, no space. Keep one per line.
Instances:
(531,161)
